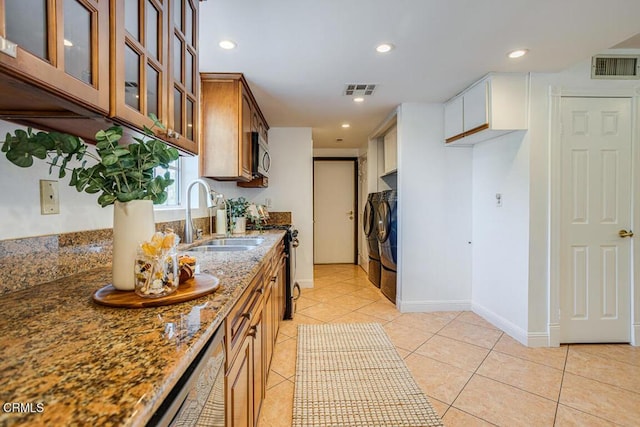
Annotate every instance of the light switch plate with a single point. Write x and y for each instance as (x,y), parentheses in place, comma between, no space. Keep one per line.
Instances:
(49,197)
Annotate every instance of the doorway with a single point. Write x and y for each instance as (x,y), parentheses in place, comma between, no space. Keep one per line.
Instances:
(335,218)
(595,219)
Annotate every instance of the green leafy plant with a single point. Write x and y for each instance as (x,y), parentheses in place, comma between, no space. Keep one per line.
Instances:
(120,172)
(237,207)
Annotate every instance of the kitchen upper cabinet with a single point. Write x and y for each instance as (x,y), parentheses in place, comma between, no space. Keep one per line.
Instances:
(493,106)
(61,47)
(184,77)
(154,67)
(390,147)
(84,65)
(229,115)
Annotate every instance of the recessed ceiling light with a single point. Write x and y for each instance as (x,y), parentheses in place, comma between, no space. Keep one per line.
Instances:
(227,44)
(517,53)
(384,47)
(358,99)
(346,125)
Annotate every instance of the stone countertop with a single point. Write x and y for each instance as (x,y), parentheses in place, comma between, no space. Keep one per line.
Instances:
(68,361)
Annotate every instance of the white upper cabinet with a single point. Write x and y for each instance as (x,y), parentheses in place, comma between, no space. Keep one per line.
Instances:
(391,150)
(493,106)
(453,124)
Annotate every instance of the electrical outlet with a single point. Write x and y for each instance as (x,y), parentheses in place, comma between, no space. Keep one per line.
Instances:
(267,202)
(49,200)
(499,200)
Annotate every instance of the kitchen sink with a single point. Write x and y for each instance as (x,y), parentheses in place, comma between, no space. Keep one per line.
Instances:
(229,244)
(219,248)
(236,241)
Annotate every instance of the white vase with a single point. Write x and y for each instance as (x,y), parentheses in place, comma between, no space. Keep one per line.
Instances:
(133,223)
(239,225)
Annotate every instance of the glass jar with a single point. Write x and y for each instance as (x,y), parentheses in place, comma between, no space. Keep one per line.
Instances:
(156,276)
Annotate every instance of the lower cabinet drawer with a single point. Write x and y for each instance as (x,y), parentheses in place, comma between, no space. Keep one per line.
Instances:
(239,318)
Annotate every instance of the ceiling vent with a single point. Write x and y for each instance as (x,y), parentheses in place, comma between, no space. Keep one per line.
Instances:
(359,89)
(621,67)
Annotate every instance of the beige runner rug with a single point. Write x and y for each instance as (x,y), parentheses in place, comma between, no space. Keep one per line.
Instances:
(350,375)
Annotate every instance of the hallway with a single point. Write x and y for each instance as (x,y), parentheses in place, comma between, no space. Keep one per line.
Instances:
(472,372)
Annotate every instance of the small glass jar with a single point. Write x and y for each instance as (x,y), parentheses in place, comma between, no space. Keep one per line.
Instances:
(156,276)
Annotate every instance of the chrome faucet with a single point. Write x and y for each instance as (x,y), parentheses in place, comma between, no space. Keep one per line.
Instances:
(188,224)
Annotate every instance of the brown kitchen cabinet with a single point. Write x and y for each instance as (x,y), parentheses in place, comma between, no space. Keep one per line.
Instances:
(56,68)
(251,331)
(84,65)
(229,114)
(155,69)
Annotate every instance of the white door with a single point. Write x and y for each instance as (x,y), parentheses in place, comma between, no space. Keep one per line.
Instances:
(334,211)
(595,264)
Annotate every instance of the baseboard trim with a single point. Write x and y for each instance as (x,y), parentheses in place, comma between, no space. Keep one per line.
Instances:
(430,306)
(635,334)
(530,339)
(305,283)
(554,335)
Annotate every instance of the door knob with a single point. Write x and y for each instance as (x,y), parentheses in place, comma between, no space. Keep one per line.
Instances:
(625,233)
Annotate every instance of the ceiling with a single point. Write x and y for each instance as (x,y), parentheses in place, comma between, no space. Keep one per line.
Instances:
(297,55)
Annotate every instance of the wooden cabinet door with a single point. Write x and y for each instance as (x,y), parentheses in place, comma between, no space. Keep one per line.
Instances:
(139,62)
(282,278)
(239,381)
(245,143)
(270,327)
(63,46)
(183,74)
(256,332)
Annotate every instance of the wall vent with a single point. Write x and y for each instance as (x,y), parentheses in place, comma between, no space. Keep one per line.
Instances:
(621,67)
(359,89)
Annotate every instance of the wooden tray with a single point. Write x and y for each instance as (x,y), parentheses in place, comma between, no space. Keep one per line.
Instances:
(197,286)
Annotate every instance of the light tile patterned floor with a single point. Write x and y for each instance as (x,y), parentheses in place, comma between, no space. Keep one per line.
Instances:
(472,372)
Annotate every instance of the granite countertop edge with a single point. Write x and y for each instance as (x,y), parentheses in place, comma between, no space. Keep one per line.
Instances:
(116,366)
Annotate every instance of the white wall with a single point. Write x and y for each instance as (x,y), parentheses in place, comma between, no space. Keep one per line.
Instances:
(544,89)
(290,189)
(336,152)
(500,258)
(20,204)
(434,192)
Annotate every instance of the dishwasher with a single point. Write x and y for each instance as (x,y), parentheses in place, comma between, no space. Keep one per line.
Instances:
(198,398)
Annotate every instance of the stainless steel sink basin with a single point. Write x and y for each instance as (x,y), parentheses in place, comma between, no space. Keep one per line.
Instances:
(229,244)
(219,248)
(236,241)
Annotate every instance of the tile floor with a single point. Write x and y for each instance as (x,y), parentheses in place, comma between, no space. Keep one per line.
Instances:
(472,372)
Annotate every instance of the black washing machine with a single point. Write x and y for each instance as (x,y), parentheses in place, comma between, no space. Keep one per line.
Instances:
(387,234)
(370,231)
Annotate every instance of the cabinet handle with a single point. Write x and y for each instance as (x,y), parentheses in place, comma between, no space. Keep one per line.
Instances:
(260,290)
(253,332)
(246,316)
(274,278)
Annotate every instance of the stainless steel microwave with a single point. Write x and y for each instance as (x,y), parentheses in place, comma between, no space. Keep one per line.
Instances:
(261,158)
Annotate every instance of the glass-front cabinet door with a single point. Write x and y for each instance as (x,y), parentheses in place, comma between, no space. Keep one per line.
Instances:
(140,62)
(184,73)
(61,45)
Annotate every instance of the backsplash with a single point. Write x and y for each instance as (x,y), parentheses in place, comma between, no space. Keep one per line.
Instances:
(28,262)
